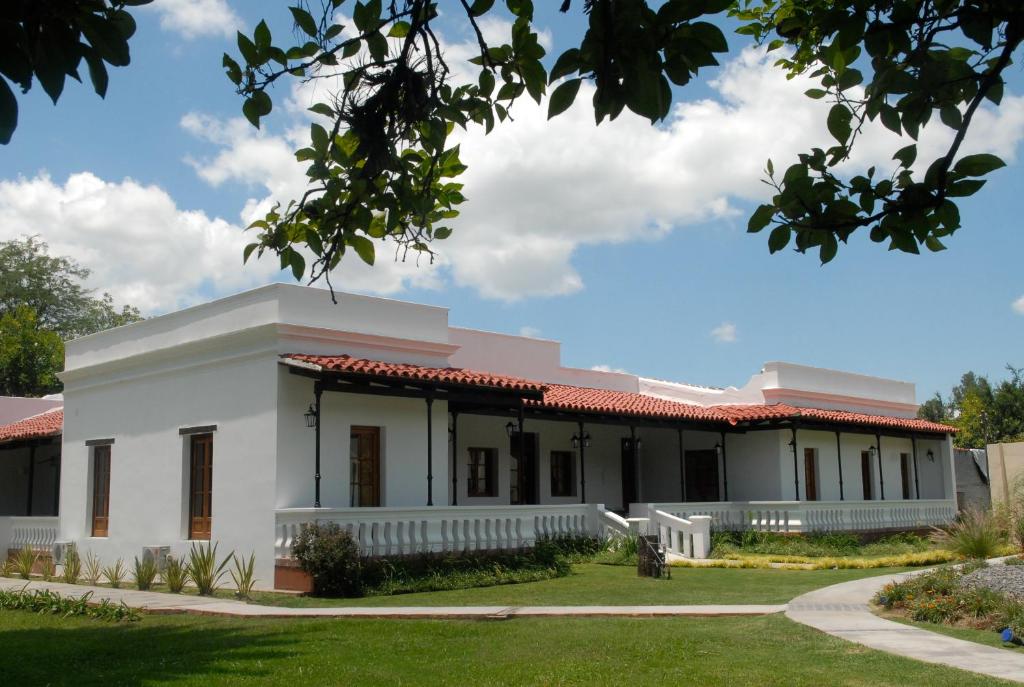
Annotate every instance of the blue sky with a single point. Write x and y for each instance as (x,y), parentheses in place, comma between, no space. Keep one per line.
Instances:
(600,239)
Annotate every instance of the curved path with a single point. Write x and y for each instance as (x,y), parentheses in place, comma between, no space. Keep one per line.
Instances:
(842,610)
(162,602)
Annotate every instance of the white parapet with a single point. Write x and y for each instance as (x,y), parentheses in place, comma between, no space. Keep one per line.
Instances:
(37,532)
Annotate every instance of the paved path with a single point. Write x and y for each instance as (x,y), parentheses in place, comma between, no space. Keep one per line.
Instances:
(161,602)
(842,610)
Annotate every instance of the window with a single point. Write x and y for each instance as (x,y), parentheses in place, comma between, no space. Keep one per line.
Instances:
(364,466)
(100,491)
(563,477)
(481,480)
(200,505)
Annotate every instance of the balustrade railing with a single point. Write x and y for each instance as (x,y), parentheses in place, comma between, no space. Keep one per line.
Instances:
(38,533)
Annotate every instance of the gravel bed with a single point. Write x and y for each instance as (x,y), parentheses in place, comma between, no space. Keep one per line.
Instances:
(1007,579)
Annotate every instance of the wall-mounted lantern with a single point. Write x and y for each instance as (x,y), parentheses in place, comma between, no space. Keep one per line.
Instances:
(510,428)
(577,439)
(311,417)
(931,455)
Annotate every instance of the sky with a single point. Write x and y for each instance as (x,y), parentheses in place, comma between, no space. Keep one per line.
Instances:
(626,242)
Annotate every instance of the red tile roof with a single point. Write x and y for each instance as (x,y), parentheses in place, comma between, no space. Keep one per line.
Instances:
(755,413)
(46,424)
(419,373)
(603,401)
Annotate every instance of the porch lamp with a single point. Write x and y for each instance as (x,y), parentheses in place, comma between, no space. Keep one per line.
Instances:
(718,449)
(577,439)
(931,455)
(632,444)
(874,452)
(509,428)
(310,416)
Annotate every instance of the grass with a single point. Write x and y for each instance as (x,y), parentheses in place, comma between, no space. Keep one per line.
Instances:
(987,637)
(188,650)
(592,584)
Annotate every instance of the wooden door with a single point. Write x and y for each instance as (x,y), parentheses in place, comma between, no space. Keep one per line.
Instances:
(865,474)
(629,486)
(201,489)
(523,484)
(100,491)
(905,475)
(702,475)
(810,475)
(364,460)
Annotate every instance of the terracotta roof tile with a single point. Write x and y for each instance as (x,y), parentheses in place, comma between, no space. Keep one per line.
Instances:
(420,373)
(587,400)
(755,413)
(46,424)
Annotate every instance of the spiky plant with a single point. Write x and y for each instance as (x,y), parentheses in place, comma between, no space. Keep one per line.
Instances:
(243,575)
(144,573)
(93,568)
(975,534)
(72,569)
(203,568)
(115,573)
(25,561)
(175,575)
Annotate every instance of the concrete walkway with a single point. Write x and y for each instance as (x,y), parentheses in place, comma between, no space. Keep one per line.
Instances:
(842,610)
(161,602)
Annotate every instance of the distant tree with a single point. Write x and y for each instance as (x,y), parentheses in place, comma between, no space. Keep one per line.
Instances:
(983,414)
(47,40)
(30,356)
(51,286)
(934,409)
(43,304)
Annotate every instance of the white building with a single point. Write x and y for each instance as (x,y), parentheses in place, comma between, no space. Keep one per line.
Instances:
(193,426)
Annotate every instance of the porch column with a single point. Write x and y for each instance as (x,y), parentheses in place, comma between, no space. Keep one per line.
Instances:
(796,469)
(682,468)
(430,450)
(881,477)
(839,455)
(31,477)
(455,458)
(583,473)
(725,469)
(913,452)
(317,392)
(522,443)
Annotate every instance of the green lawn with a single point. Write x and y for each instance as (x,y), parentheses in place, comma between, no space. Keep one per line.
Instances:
(989,637)
(592,584)
(190,650)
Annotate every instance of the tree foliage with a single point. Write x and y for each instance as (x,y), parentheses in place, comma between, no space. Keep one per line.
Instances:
(42,304)
(47,40)
(983,413)
(381,165)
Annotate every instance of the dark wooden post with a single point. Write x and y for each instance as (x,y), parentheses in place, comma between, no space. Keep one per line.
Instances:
(455,458)
(725,468)
(839,455)
(796,467)
(682,468)
(583,462)
(317,392)
(913,448)
(430,450)
(881,477)
(31,477)
(56,486)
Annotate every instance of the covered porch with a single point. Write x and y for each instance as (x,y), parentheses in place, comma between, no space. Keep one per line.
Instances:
(30,461)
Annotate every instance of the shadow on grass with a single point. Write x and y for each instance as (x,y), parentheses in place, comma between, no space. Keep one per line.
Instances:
(50,650)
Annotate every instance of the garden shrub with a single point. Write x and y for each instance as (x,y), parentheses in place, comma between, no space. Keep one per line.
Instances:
(813,544)
(975,534)
(330,556)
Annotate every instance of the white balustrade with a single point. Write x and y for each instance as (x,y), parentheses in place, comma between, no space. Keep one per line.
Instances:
(690,538)
(38,533)
(811,516)
(402,531)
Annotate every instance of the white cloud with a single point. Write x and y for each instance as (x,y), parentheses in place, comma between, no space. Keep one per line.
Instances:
(724,333)
(140,246)
(608,368)
(527,330)
(539,190)
(196,18)
(1018,306)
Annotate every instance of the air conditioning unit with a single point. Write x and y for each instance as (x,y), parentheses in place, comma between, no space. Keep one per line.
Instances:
(60,551)
(158,554)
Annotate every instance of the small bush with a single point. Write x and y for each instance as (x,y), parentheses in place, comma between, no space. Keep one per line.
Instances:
(204,569)
(243,575)
(72,569)
(7,567)
(144,573)
(45,601)
(25,562)
(115,573)
(330,556)
(175,575)
(46,568)
(619,550)
(93,568)
(974,535)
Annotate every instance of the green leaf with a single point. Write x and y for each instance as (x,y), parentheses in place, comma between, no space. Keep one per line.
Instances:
(248,49)
(967,187)
(563,96)
(761,218)
(442,233)
(257,106)
(297,263)
(567,63)
(839,123)
(400,29)
(480,7)
(261,36)
(906,155)
(951,117)
(815,93)
(304,20)
(890,118)
(8,112)
(248,251)
(364,248)
(318,135)
(829,248)
(977,165)
(778,239)
(97,72)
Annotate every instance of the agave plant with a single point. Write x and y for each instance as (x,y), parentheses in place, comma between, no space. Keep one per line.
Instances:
(115,574)
(144,573)
(93,568)
(243,575)
(72,565)
(175,575)
(46,568)
(206,574)
(25,561)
